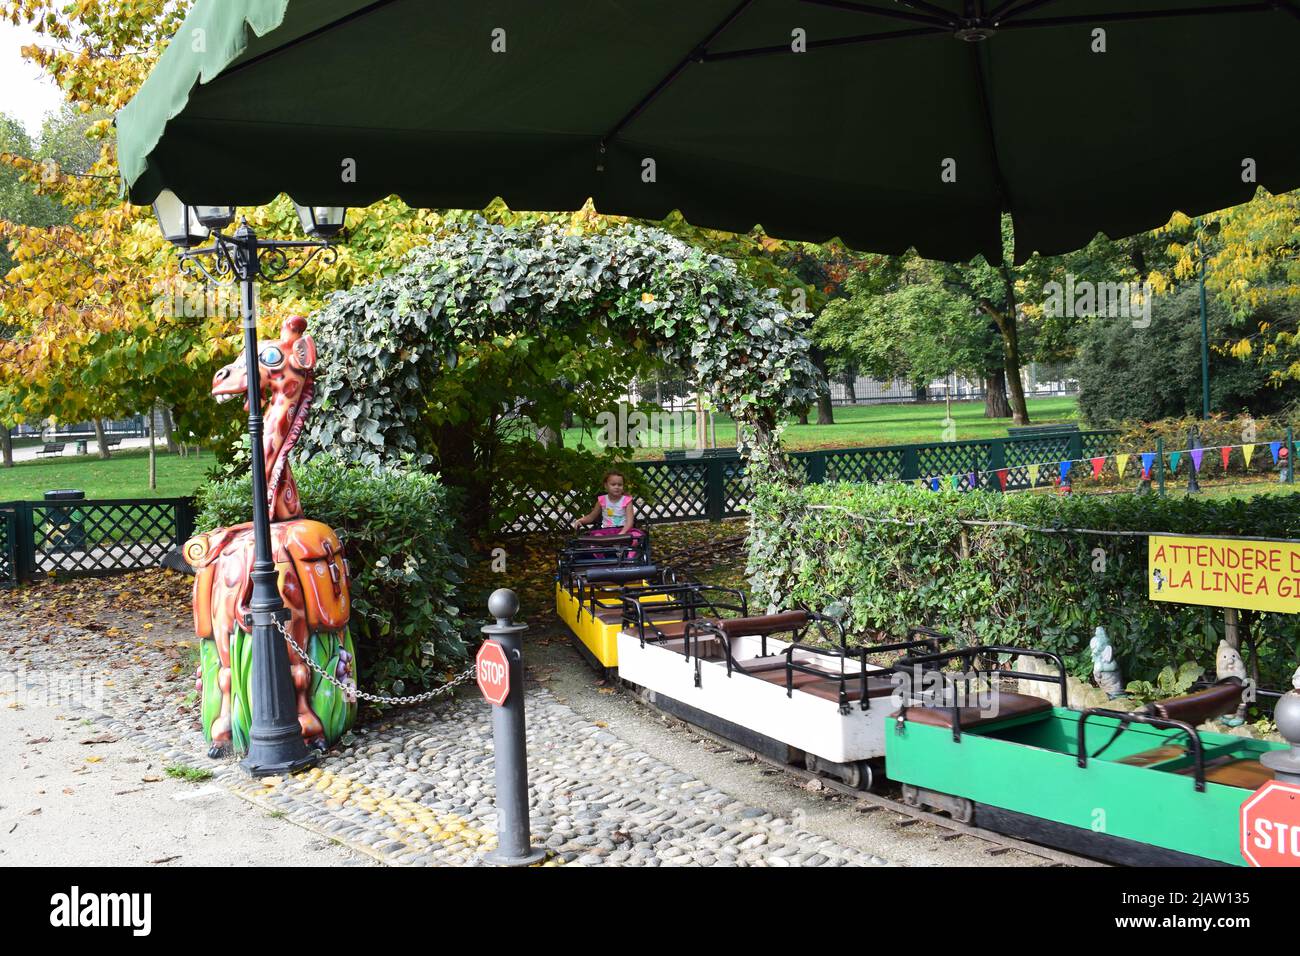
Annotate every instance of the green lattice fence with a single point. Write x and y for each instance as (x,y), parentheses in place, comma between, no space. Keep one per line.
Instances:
(82,538)
(714,486)
(8,535)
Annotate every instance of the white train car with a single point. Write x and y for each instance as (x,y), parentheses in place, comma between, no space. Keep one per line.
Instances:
(790,699)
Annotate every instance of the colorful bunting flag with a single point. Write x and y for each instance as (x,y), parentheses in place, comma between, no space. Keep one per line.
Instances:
(1225,453)
(1121,462)
(1197,454)
(956,482)
(1065,470)
(1246,452)
(1097,465)
(972,482)
(934,484)
(1002,478)
(1173,461)
(1148,459)
(1274,446)
(1033,476)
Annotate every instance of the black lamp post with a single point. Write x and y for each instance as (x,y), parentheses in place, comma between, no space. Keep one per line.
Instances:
(1211,229)
(275,740)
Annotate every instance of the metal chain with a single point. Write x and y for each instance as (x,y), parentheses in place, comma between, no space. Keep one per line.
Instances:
(353,692)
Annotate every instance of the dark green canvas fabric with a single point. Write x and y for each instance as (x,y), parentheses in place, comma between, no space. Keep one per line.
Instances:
(848,139)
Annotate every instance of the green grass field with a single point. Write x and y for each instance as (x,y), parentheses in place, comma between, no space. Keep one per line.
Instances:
(125,475)
(859,425)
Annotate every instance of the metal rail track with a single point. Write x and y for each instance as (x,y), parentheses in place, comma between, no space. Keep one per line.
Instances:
(869,802)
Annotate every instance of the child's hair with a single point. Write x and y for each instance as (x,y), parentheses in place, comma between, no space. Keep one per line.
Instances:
(613,473)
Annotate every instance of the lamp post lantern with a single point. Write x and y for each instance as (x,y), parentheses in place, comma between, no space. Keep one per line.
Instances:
(275,743)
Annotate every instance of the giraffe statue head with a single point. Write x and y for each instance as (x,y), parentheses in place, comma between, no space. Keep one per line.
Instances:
(286,371)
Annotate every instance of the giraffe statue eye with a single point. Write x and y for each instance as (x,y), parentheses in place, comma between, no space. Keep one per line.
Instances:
(272,356)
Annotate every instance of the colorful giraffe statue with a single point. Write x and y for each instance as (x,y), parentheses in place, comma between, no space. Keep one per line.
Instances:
(307,554)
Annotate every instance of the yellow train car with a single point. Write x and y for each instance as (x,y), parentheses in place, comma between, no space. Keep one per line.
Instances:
(593,611)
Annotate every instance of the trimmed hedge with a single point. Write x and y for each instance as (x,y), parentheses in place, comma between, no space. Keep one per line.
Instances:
(913,561)
(399,533)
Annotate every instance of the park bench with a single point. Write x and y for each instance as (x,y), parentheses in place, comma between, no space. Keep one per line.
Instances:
(112,442)
(1041,431)
(51,448)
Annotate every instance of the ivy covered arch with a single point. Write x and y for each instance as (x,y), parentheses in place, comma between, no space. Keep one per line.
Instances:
(483,307)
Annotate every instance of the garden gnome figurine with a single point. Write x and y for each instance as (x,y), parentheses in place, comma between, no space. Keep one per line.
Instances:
(1105,669)
(1228,663)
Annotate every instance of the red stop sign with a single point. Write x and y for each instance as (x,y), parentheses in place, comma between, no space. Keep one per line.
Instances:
(1270,825)
(493,672)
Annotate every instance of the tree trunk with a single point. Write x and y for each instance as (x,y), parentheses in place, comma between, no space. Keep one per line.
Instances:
(1007,326)
(6,446)
(169,426)
(995,394)
(803,415)
(825,409)
(153,456)
(851,385)
(99,439)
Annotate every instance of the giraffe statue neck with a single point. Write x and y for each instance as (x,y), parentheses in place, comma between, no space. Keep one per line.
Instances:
(284,416)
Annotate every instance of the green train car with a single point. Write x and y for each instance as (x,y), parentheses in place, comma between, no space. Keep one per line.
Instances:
(1138,788)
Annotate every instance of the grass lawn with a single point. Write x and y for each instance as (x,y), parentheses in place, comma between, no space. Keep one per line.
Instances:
(859,425)
(125,475)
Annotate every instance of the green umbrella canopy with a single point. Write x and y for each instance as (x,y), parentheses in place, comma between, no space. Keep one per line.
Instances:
(888,124)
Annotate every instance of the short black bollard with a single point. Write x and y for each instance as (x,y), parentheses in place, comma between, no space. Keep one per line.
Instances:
(501,678)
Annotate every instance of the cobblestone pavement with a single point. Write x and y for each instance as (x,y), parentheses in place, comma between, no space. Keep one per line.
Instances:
(417,788)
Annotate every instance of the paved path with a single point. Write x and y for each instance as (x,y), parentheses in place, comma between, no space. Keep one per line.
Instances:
(70,449)
(612,783)
(74,795)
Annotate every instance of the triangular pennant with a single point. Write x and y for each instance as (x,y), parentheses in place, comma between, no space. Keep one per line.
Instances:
(1246,452)
(1097,465)
(934,484)
(1065,471)
(1225,453)
(1197,454)
(1174,457)
(1121,462)
(973,481)
(1148,459)
(1033,476)
(1273,446)
(1002,478)
(956,482)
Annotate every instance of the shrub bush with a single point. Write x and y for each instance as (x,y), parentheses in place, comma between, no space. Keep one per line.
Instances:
(399,533)
(915,561)
(1128,373)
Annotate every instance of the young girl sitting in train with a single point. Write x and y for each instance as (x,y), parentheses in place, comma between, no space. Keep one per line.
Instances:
(614,510)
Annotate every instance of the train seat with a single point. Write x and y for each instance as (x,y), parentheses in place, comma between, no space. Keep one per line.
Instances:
(1009,705)
(1201,705)
(762,625)
(1159,754)
(618,573)
(1244,772)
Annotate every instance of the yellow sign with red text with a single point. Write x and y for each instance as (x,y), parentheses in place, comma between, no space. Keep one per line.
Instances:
(1258,575)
